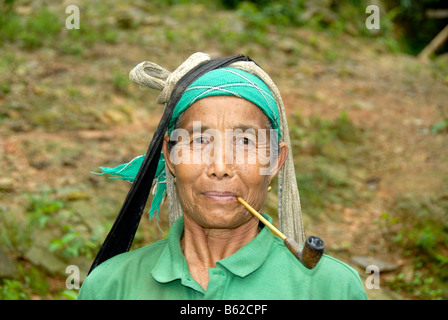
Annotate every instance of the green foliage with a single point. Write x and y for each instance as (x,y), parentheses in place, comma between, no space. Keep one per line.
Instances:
(36,281)
(46,211)
(262,14)
(12,290)
(47,29)
(120,81)
(425,227)
(69,294)
(419,225)
(314,134)
(403,24)
(30,281)
(74,243)
(416,27)
(422,286)
(233,4)
(41,209)
(71,47)
(441,126)
(33,32)
(40,29)
(324,149)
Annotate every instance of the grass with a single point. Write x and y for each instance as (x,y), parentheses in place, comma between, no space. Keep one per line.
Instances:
(71,240)
(331,158)
(419,225)
(248,29)
(31,33)
(325,162)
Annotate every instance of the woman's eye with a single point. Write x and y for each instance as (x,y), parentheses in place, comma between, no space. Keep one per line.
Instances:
(200,140)
(245,141)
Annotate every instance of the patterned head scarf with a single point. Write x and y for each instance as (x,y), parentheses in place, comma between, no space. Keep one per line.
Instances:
(229,82)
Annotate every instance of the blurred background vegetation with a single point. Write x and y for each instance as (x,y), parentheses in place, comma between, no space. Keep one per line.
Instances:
(368,122)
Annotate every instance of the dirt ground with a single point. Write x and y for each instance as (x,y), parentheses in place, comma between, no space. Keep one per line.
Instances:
(397,100)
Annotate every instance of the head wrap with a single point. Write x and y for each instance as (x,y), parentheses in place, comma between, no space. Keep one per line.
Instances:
(223,81)
(229,82)
(173,86)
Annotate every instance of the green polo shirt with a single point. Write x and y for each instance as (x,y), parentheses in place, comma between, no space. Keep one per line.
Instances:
(262,269)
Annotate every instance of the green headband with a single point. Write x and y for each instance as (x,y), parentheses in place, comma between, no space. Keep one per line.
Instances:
(223,81)
(229,82)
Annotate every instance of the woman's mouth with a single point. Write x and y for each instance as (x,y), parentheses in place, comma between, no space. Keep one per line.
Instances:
(220,196)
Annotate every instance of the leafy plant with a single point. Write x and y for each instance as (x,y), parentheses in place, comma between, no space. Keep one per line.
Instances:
(12,290)
(36,31)
(421,286)
(74,243)
(441,126)
(42,208)
(421,230)
(120,82)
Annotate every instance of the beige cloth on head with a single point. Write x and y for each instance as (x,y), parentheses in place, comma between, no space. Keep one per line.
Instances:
(151,75)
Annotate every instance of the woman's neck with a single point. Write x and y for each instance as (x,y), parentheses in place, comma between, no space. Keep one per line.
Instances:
(203,247)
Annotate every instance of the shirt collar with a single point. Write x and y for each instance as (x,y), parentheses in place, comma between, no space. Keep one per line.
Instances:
(172,264)
(250,257)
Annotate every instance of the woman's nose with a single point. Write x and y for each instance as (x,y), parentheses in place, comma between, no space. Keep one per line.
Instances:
(220,171)
(221,165)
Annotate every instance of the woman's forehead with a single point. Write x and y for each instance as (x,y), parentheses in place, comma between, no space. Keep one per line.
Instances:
(224,111)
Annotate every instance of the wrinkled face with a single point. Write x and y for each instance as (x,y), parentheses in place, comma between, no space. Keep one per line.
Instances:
(223,150)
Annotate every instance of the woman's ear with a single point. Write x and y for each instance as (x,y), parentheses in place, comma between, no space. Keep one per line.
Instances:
(281,159)
(166,153)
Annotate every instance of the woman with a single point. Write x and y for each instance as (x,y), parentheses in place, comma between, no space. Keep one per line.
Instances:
(227,137)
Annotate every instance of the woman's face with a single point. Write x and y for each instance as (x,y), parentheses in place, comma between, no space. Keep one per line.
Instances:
(225,154)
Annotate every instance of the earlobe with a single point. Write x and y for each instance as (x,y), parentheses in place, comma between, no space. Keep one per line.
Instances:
(281,159)
(166,154)
(283,154)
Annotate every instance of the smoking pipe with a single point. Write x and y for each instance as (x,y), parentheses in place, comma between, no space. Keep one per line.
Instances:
(313,248)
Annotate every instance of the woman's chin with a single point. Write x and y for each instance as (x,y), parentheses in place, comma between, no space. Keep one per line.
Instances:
(223,218)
